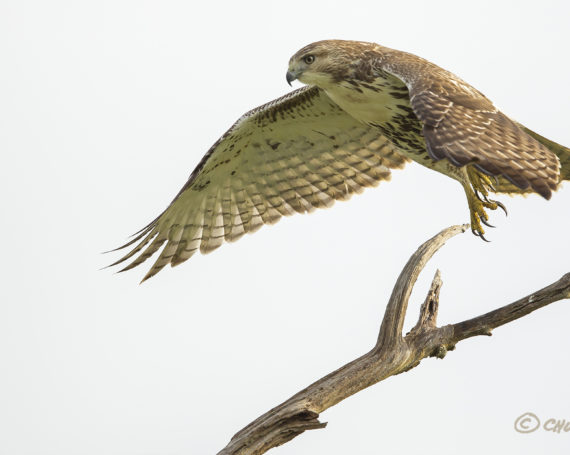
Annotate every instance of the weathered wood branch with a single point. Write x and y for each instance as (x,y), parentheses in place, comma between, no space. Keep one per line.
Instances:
(393,353)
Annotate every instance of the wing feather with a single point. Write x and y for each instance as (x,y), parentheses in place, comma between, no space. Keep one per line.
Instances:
(292,155)
(213,227)
(462,125)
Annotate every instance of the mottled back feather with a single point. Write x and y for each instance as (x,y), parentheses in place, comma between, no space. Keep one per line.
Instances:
(462,125)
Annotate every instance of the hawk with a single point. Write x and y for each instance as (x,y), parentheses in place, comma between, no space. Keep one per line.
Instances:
(365,110)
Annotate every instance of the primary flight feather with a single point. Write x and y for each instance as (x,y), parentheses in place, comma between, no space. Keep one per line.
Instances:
(366,109)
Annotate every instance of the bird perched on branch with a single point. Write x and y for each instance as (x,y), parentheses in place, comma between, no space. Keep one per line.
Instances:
(366,109)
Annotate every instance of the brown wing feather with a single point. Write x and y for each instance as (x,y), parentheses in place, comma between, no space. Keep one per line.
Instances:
(562,152)
(462,125)
(293,155)
(475,132)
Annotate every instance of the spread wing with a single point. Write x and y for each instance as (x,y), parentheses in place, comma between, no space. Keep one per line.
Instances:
(462,125)
(292,155)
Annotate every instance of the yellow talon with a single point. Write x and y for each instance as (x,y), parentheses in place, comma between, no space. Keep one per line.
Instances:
(479,181)
(477,189)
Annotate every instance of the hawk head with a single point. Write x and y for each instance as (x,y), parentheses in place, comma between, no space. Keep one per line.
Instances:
(328,62)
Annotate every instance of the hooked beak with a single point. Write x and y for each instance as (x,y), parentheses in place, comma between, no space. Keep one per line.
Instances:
(291,76)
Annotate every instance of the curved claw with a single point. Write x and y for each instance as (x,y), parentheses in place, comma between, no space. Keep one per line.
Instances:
(478,234)
(486,224)
(502,207)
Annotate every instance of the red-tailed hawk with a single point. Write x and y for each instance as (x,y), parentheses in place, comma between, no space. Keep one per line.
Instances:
(366,109)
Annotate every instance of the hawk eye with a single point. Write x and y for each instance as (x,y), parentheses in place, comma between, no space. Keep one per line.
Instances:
(309,59)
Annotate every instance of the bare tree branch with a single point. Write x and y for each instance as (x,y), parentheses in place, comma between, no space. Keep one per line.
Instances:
(393,353)
(391,329)
(482,325)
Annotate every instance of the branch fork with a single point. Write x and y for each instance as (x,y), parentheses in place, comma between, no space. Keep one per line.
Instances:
(392,354)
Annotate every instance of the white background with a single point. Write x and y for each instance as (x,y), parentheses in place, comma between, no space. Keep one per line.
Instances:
(106,107)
